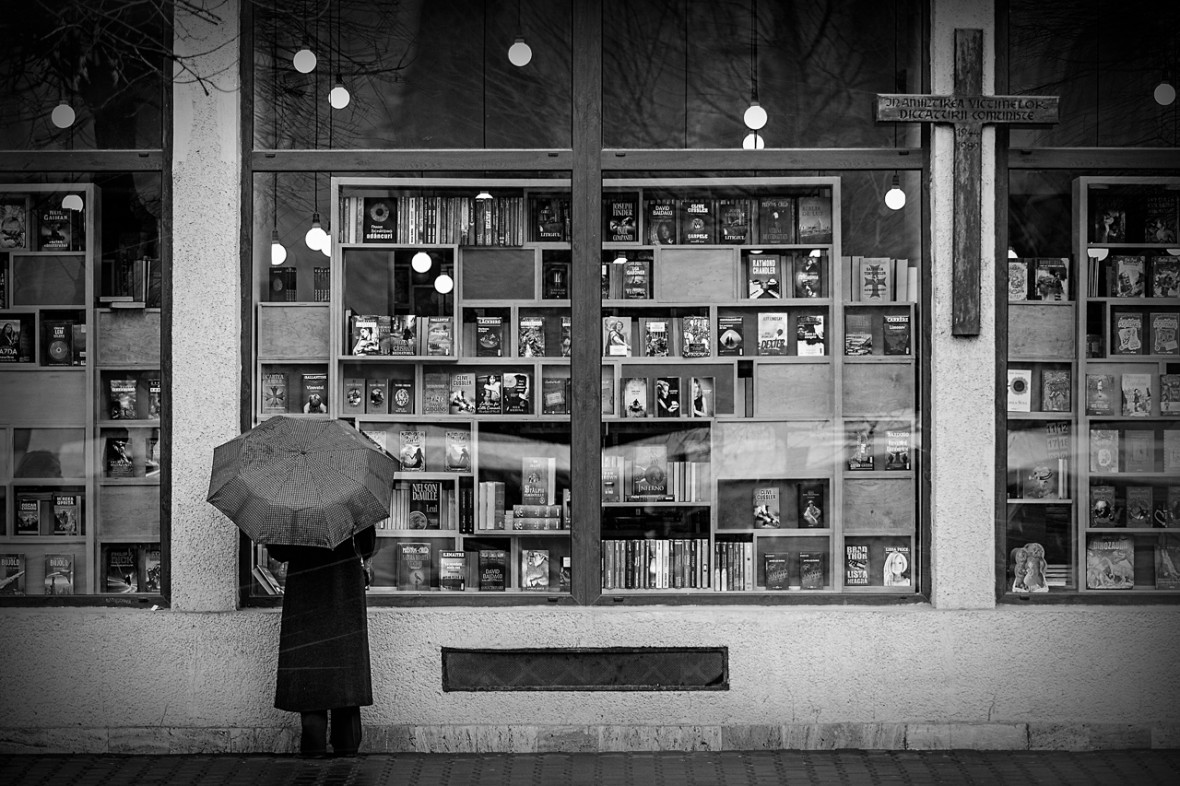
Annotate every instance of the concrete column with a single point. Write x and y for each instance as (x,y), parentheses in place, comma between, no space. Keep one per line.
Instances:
(962,400)
(205,321)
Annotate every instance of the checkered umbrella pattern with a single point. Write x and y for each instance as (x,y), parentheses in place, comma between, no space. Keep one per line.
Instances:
(302,482)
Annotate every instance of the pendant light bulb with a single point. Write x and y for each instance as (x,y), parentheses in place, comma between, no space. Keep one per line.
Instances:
(421,262)
(755,116)
(63,115)
(72,202)
(339,97)
(483,195)
(753,141)
(326,247)
(316,235)
(278,252)
(895,197)
(444,283)
(519,54)
(304,60)
(1165,94)
(1012,253)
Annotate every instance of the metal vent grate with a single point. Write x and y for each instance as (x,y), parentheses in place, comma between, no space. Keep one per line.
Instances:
(613,668)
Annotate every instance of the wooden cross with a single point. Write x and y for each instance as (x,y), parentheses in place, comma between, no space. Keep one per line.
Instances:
(968,110)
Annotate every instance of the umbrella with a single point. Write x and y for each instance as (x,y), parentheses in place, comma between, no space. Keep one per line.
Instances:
(302,481)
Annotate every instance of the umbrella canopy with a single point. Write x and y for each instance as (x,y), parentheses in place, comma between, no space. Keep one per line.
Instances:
(302,481)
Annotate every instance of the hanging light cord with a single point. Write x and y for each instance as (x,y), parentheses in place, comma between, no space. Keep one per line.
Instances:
(753,50)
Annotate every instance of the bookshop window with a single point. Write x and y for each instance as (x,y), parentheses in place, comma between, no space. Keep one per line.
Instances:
(419,75)
(80,358)
(680,74)
(1092,504)
(1104,66)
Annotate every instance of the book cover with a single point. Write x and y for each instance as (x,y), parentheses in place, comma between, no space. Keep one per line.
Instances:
(1165,276)
(493,570)
(414,566)
(403,335)
(117,457)
(620,218)
(452,571)
(811,504)
(897,566)
(1018,276)
(1019,390)
(321,284)
(315,392)
(1103,510)
(555,279)
(733,221)
(15,342)
(154,397)
(897,449)
(411,450)
(516,393)
(811,569)
(616,336)
(1130,275)
(1051,278)
(612,477)
(12,574)
(701,403)
(1138,451)
(363,331)
(1104,450)
(534,569)
(809,277)
(436,391)
(440,336)
(1109,219)
(28,515)
(458,451)
(78,337)
(1160,218)
(856,564)
(489,336)
(1137,396)
(1100,392)
(1139,506)
(549,214)
(698,221)
(809,335)
(772,332)
(531,337)
(649,476)
(149,568)
(655,337)
(1126,333)
(379,220)
(635,398)
(67,515)
(1167,563)
(462,393)
(555,395)
(776,220)
(538,480)
(896,334)
(564,576)
(122,404)
(637,279)
(567,336)
(489,393)
(696,341)
(59,229)
(59,574)
(660,221)
(284,282)
(875,279)
(858,333)
(401,396)
(1110,562)
(425,504)
(776,568)
(120,569)
(1056,390)
(765,278)
(376,396)
(14,224)
(814,215)
(730,336)
(767,512)
(59,334)
(861,456)
(151,458)
(1164,326)
(667,397)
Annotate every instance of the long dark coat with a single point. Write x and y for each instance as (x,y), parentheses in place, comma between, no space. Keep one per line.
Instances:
(324,637)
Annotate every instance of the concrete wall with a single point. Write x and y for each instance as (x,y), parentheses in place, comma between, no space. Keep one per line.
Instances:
(959,672)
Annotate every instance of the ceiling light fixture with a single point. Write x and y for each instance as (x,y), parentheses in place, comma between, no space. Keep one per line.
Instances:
(753,141)
(421,262)
(278,252)
(1165,94)
(755,116)
(72,202)
(63,115)
(895,197)
(519,54)
(444,283)
(483,195)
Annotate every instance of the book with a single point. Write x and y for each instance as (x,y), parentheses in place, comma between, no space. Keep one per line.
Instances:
(660,221)
(1138,451)
(414,566)
(12,574)
(772,332)
(564,576)
(1018,277)
(516,395)
(649,476)
(489,393)
(1127,333)
(411,450)
(1104,450)
(635,402)
(696,341)
(875,279)
(550,216)
(701,403)
(765,278)
(555,279)
(767,512)
(1056,390)
(1110,562)
(14,225)
(403,335)
(274,393)
(1019,390)
(1165,276)
(1103,511)
(776,569)
(733,221)
(811,569)
(809,335)
(814,218)
(616,336)
(811,504)
(896,334)
(120,569)
(808,276)
(59,574)
(776,220)
(856,564)
(436,392)
(538,480)
(1051,278)
(1130,275)
(440,336)
(492,569)
(858,333)
(121,398)
(379,220)
(896,571)
(1109,219)
(897,449)
(461,398)
(59,335)
(1100,392)
(457,456)
(149,568)
(315,392)
(117,459)
(567,336)
(155,401)
(1163,333)
(67,515)
(1139,506)
(730,335)
(452,571)
(698,221)
(555,396)
(151,458)
(28,514)
(489,336)
(667,397)
(637,279)
(58,228)
(321,284)
(401,396)
(534,569)
(1167,563)
(655,337)
(283,284)
(861,456)
(376,396)
(425,504)
(1160,218)
(620,218)
(1136,390)
(531,336)
(612,477)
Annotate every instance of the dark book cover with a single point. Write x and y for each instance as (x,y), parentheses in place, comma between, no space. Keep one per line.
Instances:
(550,217)
(896,334)
(516,393)
(425,504)
(734,221)
(730,335)
(414,566)
(698,221)
(776,220)
(489,336)
(811,505)
(667,403)
(814,215)
(809,277)
(660,221)
(283,284)
(401,396)
(493,570)
(315,393)
(555,278)
(489,393)
(379,221)
(620,218)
